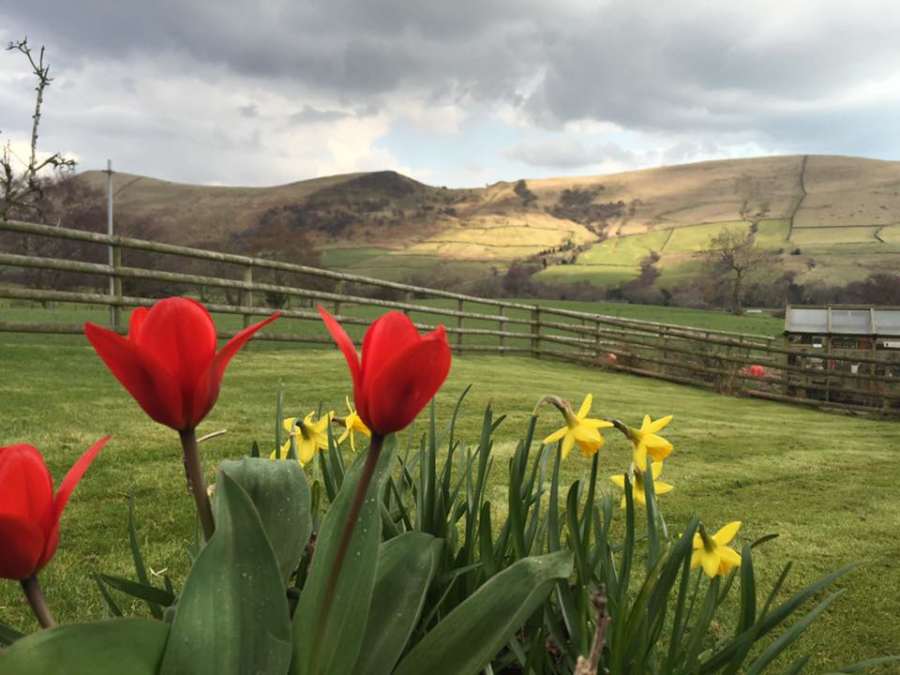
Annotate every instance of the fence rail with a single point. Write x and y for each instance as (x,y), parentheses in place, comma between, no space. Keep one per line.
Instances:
(709,358)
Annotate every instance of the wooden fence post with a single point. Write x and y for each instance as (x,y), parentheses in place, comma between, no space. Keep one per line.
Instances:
(536,331)
(459,324)
(247,294)
(116,288)
(597,339)
(501,324)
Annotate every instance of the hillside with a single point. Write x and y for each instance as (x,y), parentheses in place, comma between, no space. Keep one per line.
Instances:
(829,218)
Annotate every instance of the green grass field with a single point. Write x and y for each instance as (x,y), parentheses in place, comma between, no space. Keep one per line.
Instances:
(825,483)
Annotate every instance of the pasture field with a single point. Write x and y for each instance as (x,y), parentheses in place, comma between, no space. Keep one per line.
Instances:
(825,483)
(833,235)
(343,258)
(617,259)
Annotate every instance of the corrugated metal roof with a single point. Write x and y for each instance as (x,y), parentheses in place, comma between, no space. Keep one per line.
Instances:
(843,320)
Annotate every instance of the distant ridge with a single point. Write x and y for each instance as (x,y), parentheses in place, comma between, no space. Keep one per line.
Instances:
(832,217)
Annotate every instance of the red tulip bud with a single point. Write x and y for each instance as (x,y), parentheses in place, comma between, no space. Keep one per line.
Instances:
(169,362)
(400,370)
(29,511)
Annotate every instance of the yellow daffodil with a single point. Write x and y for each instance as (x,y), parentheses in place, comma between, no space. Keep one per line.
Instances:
(579,429)
(353,423)
(646,441)
(637,483)
(713,552)
(309,434)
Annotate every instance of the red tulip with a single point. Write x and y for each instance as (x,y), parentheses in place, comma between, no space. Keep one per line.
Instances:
(29,512)
(169,362)
(400,370)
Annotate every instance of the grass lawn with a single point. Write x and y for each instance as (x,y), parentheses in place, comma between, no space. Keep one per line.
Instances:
(825,483)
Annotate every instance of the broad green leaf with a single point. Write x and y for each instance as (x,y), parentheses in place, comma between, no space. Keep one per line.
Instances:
(114,647)
(280,494)
(472,634)
(333,648)
(232,616)
(406,566)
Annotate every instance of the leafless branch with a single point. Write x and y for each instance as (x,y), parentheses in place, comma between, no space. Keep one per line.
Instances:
(25,191)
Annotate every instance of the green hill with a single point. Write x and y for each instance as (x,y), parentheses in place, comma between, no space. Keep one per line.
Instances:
(828,218)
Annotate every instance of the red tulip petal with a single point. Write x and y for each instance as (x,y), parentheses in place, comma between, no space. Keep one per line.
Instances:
(62,497)
(207,390)
(136,322)
(405,385)
(26,488)
(343,341)
(180,334)
(23,542)
(390,334)
(149,382)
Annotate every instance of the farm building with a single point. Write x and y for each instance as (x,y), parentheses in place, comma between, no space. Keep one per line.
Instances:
(851,352)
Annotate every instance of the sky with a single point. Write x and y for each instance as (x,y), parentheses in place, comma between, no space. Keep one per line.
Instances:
(461,93)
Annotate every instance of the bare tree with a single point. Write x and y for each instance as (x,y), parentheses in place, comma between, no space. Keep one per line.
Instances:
(22,192)
(733,255)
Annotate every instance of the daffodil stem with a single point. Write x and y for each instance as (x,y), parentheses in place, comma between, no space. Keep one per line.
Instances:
(196,484)
(38,603)
(359,498)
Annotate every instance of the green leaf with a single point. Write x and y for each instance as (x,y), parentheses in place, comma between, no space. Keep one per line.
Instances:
(406,566)
(139,567)
(280,494)
(150,594)
(232,616)
(334,648)
(789,636)
(115,647)
(472,634)
(8,635)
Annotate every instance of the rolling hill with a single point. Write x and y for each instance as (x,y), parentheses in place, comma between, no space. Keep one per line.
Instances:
(829,218)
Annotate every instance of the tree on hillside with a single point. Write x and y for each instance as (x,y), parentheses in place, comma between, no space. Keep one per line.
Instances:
(733,255)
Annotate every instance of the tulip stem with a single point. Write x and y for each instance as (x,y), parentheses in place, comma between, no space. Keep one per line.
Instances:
(196,484)
(38,603)
(362,488)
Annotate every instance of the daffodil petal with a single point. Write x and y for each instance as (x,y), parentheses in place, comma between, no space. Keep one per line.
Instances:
(618,480)
(730,557)
(662,488)
(567,444)
(640,457)
(585,406)
(696,557)
(710,562)
(659,424)
(656,468)
(597,424)
(556,436)
(727,533)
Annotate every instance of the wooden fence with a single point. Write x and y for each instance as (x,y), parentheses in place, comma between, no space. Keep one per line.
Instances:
(717,360)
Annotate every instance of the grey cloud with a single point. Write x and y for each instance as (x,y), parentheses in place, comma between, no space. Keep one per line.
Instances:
(249,111)
(699,76)
(311,115)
